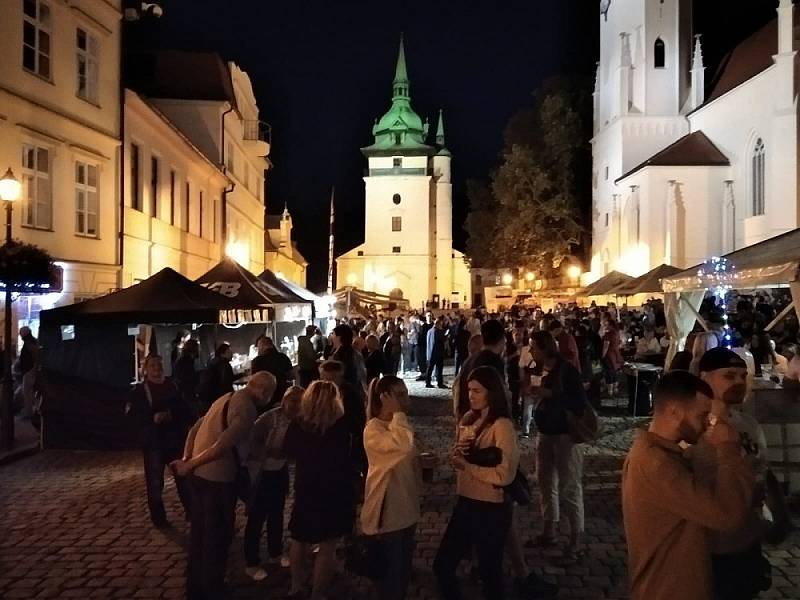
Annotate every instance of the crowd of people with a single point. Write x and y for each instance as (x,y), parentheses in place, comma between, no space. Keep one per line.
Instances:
(693,485)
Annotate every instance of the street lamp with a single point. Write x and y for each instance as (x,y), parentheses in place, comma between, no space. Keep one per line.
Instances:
(507,279)
(10,191)
(574,272)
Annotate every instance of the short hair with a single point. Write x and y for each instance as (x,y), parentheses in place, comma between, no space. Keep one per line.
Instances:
(492,332)
(332,366)
(556,324)
(545,341)
(222,349)
(320,407)
(679,387)
(266,380)
(490,379)
(344,333)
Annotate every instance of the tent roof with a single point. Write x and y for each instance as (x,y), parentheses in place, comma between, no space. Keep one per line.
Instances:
(302,293)
(607,283)
(649,283)
(166,297)
(246,290)
(769,263)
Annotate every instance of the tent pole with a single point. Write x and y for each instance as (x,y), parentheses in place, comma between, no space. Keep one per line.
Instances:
(780,316)
(700,319)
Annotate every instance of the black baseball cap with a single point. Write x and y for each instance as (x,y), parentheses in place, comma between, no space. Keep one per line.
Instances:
(720,358)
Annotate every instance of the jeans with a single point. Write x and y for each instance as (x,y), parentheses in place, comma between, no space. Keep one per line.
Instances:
(155,460)
(436,363)
(422,358)
(480,525)
(267,505)
(213,521)
(399,552)
(559,472)
(528,403)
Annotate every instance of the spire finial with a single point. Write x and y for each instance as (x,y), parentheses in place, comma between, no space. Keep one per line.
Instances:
(440,130)
(697,61)
(285,210)
(400,72)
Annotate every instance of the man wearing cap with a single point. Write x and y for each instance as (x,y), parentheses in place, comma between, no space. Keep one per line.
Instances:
(740,570)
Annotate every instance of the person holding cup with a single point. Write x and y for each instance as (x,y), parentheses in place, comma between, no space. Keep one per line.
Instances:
(482,516)
(393,486)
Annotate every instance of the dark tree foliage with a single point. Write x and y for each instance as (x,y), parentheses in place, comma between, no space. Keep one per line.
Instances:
(24,264)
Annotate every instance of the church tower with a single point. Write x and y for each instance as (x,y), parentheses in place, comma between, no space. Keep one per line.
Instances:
(643,91)
(408,232)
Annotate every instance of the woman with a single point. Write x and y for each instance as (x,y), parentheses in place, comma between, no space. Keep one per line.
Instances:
(611,358)
(391,499)
(559,461)
(324,504)
(482,517)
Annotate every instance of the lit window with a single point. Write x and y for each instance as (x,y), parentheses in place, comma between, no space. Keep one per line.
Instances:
(85,199)
(36,37)
(38,206)
(660,54)
(397,223)
(87,48)
(396,249)
(759,177)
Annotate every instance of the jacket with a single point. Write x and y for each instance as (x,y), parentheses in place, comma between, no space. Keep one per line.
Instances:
(393,486)
(487,483)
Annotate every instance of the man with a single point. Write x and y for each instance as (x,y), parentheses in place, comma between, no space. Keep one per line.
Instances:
(422,346)
(435,354)
(211,458)
(461,342)
(567,347)
(163,418)
(491,355)
(667,511)
(306,358)
(355,373)
(28,366)
(740,569)
(217,378)
(273,361)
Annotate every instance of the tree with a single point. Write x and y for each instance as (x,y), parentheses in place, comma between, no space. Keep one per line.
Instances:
(24,265)
(530,214)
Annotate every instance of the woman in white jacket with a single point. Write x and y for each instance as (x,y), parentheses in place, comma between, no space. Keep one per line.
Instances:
(392,492)
(482,516)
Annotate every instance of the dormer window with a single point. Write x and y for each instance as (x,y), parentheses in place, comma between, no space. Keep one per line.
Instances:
(660,54)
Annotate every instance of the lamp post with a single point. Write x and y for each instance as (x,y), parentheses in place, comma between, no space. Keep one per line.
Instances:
(10,190)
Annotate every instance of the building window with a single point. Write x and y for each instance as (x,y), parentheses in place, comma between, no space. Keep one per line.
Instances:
(200,225)
(396,198)
(396,249)
(231,162)
(360,253)
(154,212)
(759,177)
(136,189)
(87,48)
(397,223)
(37,188)
(606,219)
(187,202)
(660,54)
(478,280)
(172,198)
(85,199)
(36,37)
(606,173)
(397,162)
(214,209)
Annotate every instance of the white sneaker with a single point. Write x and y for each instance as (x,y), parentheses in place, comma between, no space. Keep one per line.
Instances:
(256,573)
(285,562)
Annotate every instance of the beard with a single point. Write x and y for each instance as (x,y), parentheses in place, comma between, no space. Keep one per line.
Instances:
(734,394)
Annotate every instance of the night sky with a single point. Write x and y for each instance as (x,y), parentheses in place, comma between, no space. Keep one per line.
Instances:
(322,71)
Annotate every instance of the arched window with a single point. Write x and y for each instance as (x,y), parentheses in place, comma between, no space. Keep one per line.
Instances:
(759,177)
(660,54)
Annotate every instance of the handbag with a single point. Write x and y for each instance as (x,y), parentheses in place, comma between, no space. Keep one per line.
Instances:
(242,482)
(585,428)
(519,490)
(365,555)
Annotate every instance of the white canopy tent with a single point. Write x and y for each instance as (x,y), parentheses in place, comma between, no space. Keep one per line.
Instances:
(772,263)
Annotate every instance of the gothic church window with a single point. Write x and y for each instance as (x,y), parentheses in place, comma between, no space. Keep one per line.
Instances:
(759,177)
(660,54)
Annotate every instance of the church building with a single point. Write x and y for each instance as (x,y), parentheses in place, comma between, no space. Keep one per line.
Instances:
(408,234)
(683,172)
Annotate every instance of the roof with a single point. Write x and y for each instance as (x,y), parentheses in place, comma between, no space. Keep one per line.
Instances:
(747,60)
(692,150)
(241,286)
(649,283)
(775,261)
(179,74)
(605,284)
(300,294)
(166,297)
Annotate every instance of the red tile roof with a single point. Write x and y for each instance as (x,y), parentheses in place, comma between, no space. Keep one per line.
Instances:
(692,150)
(747,60)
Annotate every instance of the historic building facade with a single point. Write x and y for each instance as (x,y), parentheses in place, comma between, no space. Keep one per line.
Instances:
(281,255)
(684,171)
(408,231)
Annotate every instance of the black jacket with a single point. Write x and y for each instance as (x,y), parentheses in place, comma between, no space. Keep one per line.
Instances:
(165,398)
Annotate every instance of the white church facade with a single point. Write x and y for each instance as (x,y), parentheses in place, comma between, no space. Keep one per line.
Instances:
(682,172)
(408,233)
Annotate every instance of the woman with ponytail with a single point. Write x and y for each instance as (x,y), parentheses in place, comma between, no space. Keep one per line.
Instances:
(391,498)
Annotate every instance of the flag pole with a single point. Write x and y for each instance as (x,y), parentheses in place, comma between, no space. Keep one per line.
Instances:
(330,246)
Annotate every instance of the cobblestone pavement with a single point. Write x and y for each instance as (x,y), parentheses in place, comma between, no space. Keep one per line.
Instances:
(74,525)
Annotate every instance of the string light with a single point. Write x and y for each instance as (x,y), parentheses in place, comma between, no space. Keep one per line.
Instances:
(718,275)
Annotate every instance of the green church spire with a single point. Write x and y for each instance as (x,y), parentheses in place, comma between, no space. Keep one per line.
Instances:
(440,131)
(400,130)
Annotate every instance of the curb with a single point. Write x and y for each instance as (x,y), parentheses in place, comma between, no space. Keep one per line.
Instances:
(19,454)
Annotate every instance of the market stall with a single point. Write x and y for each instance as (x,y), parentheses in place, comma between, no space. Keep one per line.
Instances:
(769,264)
(639,289)
(606,284)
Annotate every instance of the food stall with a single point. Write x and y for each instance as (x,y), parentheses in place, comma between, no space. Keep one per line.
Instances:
(770,264)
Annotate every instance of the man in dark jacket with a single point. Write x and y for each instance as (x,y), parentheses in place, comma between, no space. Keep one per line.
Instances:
(271,360)
(435,354)
(307,357)
(422,346)
(163,419)
(217,378)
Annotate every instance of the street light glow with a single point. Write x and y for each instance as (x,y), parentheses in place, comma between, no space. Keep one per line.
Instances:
(574,272)
(351,279)
(10,187)
(507,279)
(530,276)
(239,252)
